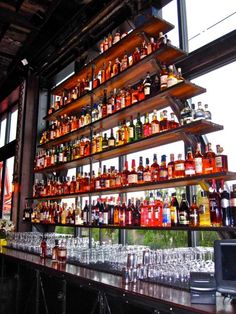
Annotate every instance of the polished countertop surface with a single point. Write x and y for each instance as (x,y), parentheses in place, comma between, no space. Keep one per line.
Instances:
(148,291)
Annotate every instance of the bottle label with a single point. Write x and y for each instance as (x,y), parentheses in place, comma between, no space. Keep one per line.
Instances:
(163,173)
(147,90)
(198,164)
(155,128)
(97,184)
(105,218)
(132,178)
(173,214)
(107,183)
(85,217)
(164,79)
(183,218)
(109,109)
(179,167)
(61,157)
(131,132)
(147,176)
(218,160)
(170,172)
(190,172)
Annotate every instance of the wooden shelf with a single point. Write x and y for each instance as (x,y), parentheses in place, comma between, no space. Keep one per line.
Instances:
(199,127)
(171,183)
(179,228)
(134,39)
(130,76)
(183,90)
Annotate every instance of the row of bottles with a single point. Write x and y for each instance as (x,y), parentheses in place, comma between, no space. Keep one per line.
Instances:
(191,113)
(106,105)
(196,164)
(213,208)
(110,40)
(113,68)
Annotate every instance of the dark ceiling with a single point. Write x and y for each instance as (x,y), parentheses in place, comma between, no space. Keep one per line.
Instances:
(49,34)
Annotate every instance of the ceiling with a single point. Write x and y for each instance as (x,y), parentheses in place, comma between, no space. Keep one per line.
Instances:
(46,35)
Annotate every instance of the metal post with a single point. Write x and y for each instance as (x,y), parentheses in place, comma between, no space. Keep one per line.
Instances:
(183,26)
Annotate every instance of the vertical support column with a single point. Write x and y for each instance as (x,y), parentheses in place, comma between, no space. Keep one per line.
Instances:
(183,26)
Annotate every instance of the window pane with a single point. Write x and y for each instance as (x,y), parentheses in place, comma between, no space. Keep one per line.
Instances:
(219,96)
(209,20)
(3,132)
(7,201)
(169,13)
(13,125)
(1,167)
(207,238)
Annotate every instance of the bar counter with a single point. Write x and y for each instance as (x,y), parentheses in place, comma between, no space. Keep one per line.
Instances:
(157,298)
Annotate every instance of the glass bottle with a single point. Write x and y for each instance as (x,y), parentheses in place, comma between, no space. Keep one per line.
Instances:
(143,50)
(129,214)
(221,161)
(209,160)
(199,112)
(136,213)
(111,140)
(207,112)
(186,114)
(155,169)
(133,176)
(138,128)
(225,206)
(172,78)
(194,213)
(215,208)
(171,167)
(163,172)
(204,210)
(179,167)
(198,160)
(140,170)
(189,164)
(155,125)
(158,210)
(166,219)
(183,214)
(147,85)
(164,123)
(163,77)
(104,142)
(174,209)
(172,123)
(147,128)
(147,172)
(233,205)
(131,130)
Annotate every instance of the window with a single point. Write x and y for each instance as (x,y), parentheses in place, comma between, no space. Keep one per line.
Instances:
(13,125)
(3,126)
(169,13)
(209,20)
(7,195)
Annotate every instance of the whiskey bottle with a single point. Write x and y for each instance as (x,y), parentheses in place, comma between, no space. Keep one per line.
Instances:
(155,126)
(133,176)
(198,160)
(147,85)
(138,128)
(164,123)
(172,78)
(147,172)
(158,210)
(189,164)
(225,206)
(183,214)
(209,160)
(105,142)
(194,213)
(204,210)
(166,220)
(111,140)
(140,170)
(221,161)
(163,77)
(207,112)
(233,205)
(199,112)
(179,167)
(155,169)
(147,127)
(131,130)
(186,114)
(163,172)
(171,167)
(174,209)
(215,206)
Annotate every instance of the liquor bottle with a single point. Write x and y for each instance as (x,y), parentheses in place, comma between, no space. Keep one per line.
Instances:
(221,161)
(27,212)
(155,87)
(138,128)
(100,212)
(194,213)
(179,75)
(215,207)
(163,77)
(166,219)
(111,208)
(43,247)
(164,123)
(116,212)
(124,174)
(161,40)
(151,213)
(104,142)
(158,211)
(225,206)
(105,213)
(129,214)
(198,160)
(171,167)
(111,140)
(207,112)
(133,176)
(147,128)
(163,171)
(147,85)
(189,164)
(104,104)
(136,55)
(78,215)
(172,78)
(233,204)
(179,167)
(119,135)
(155,169)
(155,125)
(55,250)
(85,214)
(186,114)
(204,210)
(136,213)
(143,50)
(147,172)
(174,209)
(209,160)
(140,171)
(125,132)
(183,214)
(172,123)
(199,112)
(131,130)
(122,214)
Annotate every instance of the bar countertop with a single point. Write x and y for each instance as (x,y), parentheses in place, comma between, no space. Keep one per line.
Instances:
(150,293)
